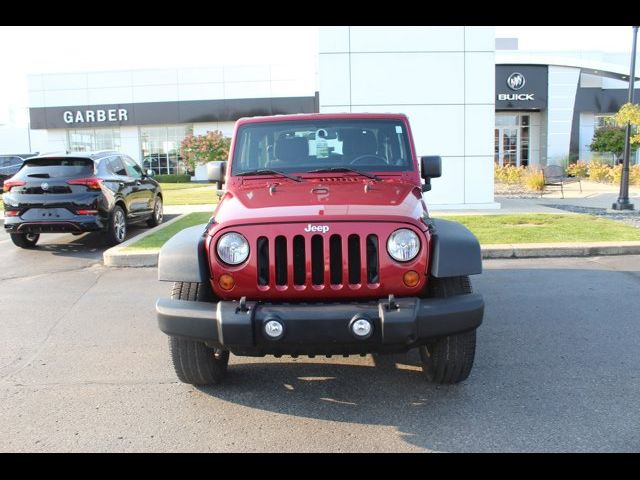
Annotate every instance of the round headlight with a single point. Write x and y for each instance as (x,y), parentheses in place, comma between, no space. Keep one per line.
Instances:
(403,245)
(233,248)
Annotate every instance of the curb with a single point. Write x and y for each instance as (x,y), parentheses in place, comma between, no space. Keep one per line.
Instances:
(548,250)
(115,257)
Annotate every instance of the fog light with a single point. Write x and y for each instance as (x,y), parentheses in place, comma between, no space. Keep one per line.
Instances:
(361,328)
(226,281)
(273,329)
(411,278)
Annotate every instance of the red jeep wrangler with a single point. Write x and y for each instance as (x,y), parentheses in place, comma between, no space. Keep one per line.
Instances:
(322,245)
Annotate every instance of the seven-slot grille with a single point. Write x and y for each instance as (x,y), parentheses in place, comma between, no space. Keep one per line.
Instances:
(336,259)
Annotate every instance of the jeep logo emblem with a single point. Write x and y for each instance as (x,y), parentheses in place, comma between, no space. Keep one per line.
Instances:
(516,81)
(317,228)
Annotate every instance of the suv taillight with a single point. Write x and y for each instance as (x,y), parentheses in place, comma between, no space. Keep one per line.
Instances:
(9,184)
(91,183)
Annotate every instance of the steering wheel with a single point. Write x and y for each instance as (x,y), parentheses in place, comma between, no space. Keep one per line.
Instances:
(378,160)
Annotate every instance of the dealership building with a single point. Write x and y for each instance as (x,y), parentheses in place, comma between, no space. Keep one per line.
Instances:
(471,98)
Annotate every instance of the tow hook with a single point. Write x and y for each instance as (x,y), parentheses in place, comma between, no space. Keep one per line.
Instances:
(392,305)
(242,306)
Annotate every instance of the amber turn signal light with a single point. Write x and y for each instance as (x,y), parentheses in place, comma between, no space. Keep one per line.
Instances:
(226,281)
(411,278)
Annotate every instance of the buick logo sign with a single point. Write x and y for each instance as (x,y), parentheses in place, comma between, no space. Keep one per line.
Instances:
(44,186)
(516,81)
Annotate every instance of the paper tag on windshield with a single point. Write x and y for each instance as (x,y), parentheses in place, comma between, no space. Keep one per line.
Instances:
(398,129)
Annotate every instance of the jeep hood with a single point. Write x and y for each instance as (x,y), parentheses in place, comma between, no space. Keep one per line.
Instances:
(266,202)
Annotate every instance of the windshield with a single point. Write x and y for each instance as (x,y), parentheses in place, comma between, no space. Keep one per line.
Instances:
(364,145)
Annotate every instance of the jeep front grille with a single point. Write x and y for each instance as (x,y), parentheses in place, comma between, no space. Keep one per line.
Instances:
(334,260)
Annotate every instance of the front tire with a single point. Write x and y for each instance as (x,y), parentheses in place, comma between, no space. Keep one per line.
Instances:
(194,362)
(156,217)
(25,240)
(449,359)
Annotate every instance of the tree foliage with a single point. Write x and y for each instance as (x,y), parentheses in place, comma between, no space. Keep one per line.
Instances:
(630,113)
(610,139)
(200,149)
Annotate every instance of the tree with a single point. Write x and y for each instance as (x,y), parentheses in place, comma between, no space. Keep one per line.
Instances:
(630,113)
(200,149)
(610,139)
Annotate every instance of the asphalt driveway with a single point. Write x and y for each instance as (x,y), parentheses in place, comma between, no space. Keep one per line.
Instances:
(83,367)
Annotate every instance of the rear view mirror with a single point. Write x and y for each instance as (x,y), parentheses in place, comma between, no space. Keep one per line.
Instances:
(431,166)
(216,172)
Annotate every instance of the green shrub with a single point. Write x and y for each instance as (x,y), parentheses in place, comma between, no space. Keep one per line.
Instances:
(533,179)
(634,175)
(508,174)
(172,178)
(578,169)
(599,172)
(615,175)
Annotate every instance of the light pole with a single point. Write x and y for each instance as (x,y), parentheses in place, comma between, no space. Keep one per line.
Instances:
(623,202)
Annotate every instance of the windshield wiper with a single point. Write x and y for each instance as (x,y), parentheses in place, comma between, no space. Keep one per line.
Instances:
(346,169)
(266,171)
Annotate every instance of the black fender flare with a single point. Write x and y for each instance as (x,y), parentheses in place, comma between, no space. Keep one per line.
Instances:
(183,258)
(455,251)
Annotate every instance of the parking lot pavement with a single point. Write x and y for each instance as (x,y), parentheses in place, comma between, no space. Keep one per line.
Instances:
(83,367)
(56,253)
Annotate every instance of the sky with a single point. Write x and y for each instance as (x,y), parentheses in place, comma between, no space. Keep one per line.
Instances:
(73,49)
(558,38)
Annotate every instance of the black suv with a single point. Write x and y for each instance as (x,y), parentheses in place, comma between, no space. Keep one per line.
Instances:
(77,193)
(10,164)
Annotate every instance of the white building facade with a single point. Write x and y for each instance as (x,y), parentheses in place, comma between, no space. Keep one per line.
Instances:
(441,77)
(560,101)
(470,103)
(147,113)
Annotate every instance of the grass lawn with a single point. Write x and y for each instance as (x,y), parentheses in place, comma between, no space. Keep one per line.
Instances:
(182,186)
(189,194)
(545,228)
(156,240)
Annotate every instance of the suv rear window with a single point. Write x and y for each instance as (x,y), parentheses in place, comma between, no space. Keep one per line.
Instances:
(56,168)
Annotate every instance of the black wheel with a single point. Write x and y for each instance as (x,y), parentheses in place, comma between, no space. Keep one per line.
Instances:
(449,359)
(156,218)
(193,361)
(117,231)
(25,240)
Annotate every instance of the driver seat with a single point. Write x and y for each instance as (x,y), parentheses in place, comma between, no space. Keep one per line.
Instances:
(357,142)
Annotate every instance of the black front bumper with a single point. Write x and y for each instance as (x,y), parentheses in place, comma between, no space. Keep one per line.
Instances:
(319,328)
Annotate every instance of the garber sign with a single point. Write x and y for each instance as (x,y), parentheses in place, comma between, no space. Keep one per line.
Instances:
(521,87)
(71,117)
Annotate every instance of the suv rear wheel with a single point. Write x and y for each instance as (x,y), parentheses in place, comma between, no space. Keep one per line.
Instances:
(449,359)
(117,231)
(193,361)
(25,240)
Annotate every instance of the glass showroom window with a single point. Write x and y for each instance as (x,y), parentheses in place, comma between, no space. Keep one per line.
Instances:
(91,139)
(512,139)
(161,148)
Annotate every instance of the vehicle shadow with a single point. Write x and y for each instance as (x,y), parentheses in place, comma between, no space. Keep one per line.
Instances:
(88,245)
(554,371)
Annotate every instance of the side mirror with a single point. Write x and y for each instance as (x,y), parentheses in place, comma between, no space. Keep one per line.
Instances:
(216,172)
(150,173)
(431,168)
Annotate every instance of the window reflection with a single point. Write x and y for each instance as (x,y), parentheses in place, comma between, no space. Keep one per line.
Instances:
(92,139)
(161,148)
